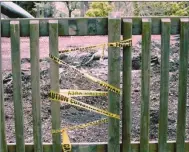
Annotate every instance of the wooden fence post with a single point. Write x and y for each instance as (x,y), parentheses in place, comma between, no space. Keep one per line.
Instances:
(3,143)
(17,86)
(35,83)
(54,82)
(145,85)
(126,106)
(183,73)
(114,32)
(164,84)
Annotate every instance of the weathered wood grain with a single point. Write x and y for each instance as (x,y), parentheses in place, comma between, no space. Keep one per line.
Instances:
(114,31)
(35,84)
(100,147)
(89,26)
(164,84)
(54,82)
(17,87)
(145,85)
(3,144)
(182,90)
(126,96)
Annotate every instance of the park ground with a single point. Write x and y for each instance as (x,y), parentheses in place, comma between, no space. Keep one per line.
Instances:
(70,115)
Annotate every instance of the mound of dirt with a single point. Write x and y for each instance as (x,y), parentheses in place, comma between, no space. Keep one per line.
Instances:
(71,116)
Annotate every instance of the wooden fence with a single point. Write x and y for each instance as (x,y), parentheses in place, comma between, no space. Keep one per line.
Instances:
(113,27)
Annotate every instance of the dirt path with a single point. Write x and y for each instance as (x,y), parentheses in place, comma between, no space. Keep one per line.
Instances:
(64,42)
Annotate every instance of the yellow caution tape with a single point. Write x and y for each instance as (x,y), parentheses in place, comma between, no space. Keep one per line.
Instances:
(81,126)
(58,97)
(102,83)
(102,56)
(122,43)
(66,145)
(81,48)
(75,93)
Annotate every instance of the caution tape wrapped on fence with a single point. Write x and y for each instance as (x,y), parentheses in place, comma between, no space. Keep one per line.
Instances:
(100,82)
(66,145)
(65,95)
(59,97)
(82,126)
(73,93)
(122,43)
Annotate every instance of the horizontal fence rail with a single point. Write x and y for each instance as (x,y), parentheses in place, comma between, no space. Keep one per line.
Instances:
(87,26)
(100,147)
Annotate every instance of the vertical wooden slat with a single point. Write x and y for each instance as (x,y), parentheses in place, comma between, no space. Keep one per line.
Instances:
(114,32)
(54,77)
(183,70)
(164,83)
(126,106)
(145,85)
(17,87)
(35,83)
(3,142)
(3,130)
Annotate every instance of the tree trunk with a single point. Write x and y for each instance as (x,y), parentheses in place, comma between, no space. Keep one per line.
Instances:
(38,12)
(86,5)
(70,13)
(82,9)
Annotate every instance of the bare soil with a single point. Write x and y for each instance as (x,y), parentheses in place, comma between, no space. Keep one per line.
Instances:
(70,115)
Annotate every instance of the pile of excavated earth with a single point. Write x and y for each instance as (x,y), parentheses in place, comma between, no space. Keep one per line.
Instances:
(92,64)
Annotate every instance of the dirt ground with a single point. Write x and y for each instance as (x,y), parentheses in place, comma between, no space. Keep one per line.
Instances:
(70,115)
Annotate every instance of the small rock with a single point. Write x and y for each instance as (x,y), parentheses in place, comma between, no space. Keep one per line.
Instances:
(136,63)
(25,60)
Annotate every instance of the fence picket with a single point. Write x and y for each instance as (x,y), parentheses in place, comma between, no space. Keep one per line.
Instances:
(164,84)
(114,32)
(54,77)
(126,106)
(35,77)
(145,85)
(17,86)
(182,92)
(3,143)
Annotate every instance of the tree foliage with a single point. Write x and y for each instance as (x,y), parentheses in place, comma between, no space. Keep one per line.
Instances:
(27,5)
(178,9)
(125,8)
(161,8)
(102,9)
(44,9)
(99,9)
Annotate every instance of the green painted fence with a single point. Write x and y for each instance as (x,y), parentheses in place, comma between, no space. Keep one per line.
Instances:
(113,27)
